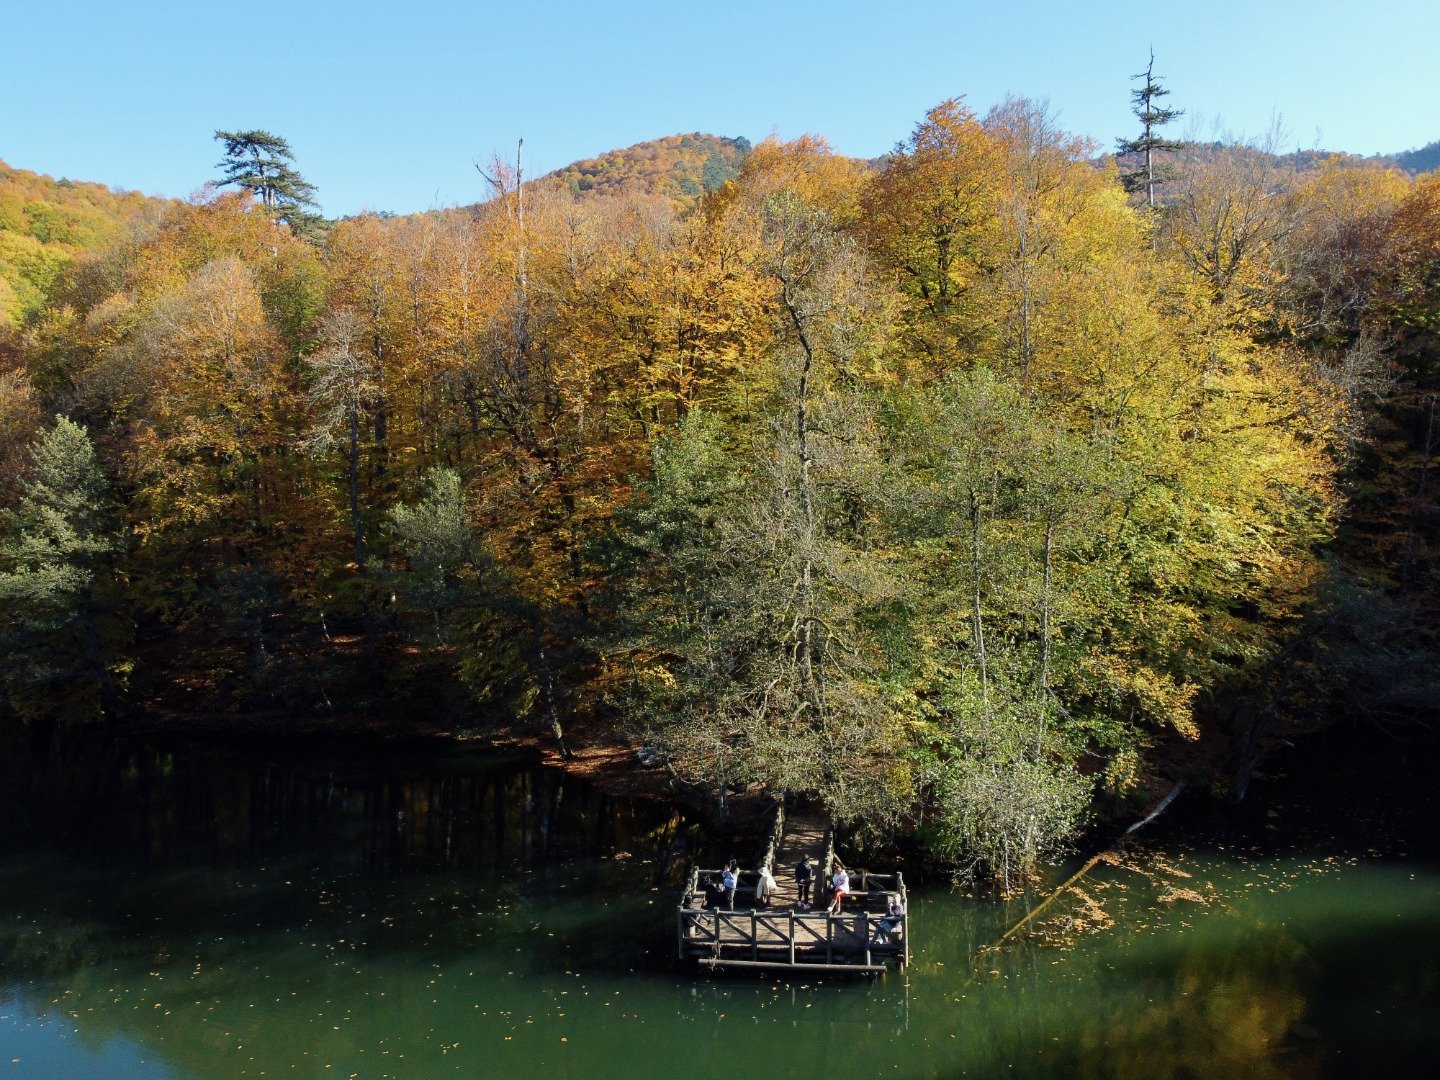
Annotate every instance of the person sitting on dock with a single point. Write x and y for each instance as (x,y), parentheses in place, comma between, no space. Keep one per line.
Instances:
(839,888)
(894,916)
(728,879)
(803,877)
(714,892)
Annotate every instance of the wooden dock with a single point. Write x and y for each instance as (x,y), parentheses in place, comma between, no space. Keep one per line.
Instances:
(782,935)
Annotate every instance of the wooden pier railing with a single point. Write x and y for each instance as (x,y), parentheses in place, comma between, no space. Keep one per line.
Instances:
(861,939)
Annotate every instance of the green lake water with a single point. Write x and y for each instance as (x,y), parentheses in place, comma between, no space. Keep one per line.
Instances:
(208,911)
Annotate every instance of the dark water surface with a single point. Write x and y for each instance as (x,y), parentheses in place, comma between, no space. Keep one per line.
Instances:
(210,911)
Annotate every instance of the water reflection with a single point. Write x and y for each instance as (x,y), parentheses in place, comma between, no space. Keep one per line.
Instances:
(399,810)
(209,912)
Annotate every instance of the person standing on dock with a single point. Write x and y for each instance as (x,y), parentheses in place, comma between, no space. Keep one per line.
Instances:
(764,887)
(803,877)
(728,879)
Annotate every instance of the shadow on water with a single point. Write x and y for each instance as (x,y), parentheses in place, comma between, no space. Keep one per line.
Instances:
(175,840)
(222,910)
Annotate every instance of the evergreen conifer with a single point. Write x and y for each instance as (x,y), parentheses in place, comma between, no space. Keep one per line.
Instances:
(1145,104)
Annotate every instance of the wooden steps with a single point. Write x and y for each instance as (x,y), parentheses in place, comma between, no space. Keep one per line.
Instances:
(802,836)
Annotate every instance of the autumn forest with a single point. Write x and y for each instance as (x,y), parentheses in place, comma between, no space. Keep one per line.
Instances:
(970,495)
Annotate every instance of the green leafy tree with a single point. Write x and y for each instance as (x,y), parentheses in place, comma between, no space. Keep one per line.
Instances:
(760,655)
(438,540)
(998,507)
(717,172)
(689,615)
(59,632)
(492,637)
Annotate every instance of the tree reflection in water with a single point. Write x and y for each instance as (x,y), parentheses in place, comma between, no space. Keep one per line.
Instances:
(315,914)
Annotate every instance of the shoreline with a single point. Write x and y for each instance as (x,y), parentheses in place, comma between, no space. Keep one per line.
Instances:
(612,766)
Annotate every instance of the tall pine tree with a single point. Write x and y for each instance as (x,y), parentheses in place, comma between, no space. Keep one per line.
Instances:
(1145,104)
(260,163)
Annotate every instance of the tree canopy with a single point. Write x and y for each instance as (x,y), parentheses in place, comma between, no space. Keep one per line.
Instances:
(953,496)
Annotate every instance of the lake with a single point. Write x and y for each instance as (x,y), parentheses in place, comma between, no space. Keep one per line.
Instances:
(299,909)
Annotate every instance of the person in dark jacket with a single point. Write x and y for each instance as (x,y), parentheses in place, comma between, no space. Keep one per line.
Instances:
(804,876)
(714,893)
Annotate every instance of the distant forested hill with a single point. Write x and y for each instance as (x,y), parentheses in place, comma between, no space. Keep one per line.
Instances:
(43,222)
(1422,160)
(678,167)
(1192,155)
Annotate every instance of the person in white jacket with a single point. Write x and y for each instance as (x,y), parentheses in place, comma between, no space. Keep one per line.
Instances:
(839,888)
(764,888)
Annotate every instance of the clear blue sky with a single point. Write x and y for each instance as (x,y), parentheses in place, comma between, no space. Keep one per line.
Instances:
(387,104)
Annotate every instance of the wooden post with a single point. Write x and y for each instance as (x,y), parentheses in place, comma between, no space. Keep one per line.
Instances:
(829,938)
(905,918)
(777,833)
(792,937)
(754,938)
(680,929)
(865,933)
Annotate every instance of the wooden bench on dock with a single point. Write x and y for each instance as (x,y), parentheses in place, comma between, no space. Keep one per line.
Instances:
(862,939)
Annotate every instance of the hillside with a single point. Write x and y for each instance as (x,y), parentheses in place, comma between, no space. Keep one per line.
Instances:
(1424,159)
(1412,161)
(43,222)
(678,167)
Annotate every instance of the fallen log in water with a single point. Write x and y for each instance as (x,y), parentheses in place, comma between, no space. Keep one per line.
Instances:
(1160,808)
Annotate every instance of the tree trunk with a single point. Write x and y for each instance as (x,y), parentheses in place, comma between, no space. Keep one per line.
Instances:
(355,488)
(810,668)
(977,620)
(552,711)
(1027,347)
(1407,564)
(382,413)
(809,651)
(1045,634)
